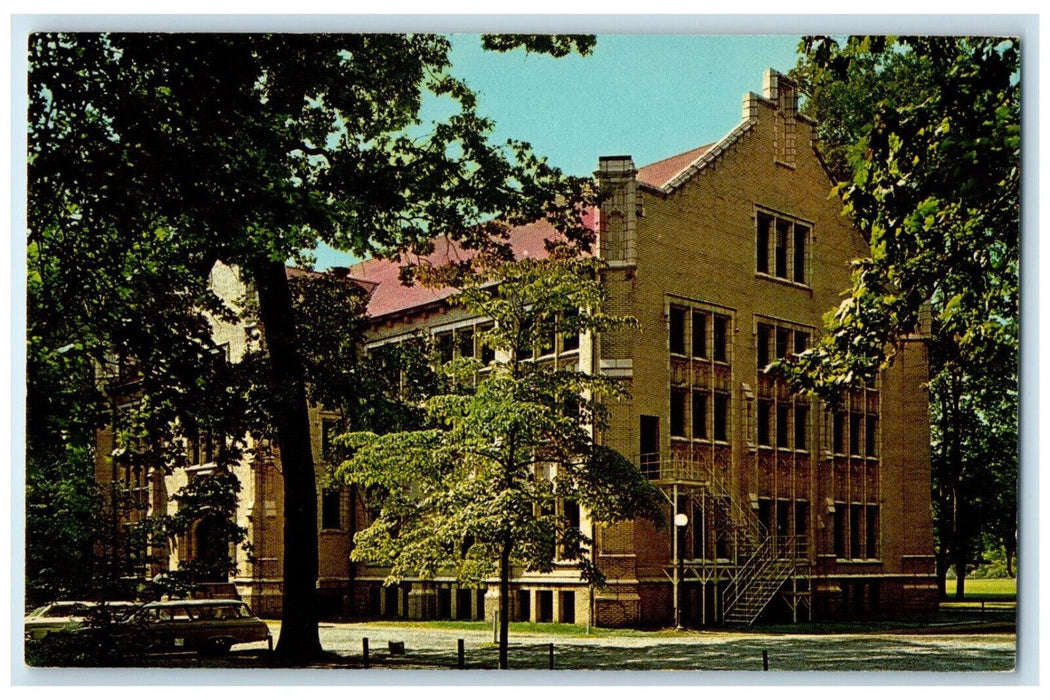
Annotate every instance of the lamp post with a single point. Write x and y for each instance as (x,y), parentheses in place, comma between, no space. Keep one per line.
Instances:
(680,521)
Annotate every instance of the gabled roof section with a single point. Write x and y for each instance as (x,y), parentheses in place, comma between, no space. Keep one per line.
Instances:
(658,174)
(667,175)
(389,296)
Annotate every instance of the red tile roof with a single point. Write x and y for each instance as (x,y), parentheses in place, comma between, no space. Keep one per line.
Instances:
(390,296)
(660,173)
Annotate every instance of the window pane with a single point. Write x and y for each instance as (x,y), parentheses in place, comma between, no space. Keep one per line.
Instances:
(443,345)
(570,340)
(801,341)
(523,346)
(678,413)
(721,342)
(838,433)
(781,248)
(721,417)
(801,239)
(465,342)
(782,425)
(762,349)
(699,334)
(330,516)
(854,532)
(676,330)
(699,415)
(872,537)
(801,427)
(840,530)
(783,342)
(765,230)
(488,355)
(763,422)
(854,433)
(870,436)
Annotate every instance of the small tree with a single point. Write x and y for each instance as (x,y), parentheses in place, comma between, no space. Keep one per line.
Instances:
(484,487)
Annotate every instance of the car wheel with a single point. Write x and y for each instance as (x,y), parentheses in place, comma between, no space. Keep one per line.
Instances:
(217,647)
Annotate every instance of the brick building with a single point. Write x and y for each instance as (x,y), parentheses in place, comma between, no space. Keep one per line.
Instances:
(728,255)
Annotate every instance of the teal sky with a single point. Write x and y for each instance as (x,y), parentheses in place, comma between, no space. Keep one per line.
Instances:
(647,96)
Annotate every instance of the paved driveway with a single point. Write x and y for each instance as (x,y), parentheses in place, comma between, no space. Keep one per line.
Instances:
(711,651)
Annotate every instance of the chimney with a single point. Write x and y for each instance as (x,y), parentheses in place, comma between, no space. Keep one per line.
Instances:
(619,209)
(783,93)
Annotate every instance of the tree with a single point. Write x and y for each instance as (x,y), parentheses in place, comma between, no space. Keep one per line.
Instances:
(152,156)
(488,484)
(923,135)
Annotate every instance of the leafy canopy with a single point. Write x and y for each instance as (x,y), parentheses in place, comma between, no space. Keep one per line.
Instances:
(500,460)
(930,174)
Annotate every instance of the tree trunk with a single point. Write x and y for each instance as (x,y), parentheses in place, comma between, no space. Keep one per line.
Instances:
(1010,547)
(298,637)
(943,564)
(504,605)
(961,560)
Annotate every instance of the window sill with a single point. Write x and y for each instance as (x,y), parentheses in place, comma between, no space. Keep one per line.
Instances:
(784,281)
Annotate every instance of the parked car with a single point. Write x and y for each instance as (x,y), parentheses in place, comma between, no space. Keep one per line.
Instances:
(206,626)
(69,615)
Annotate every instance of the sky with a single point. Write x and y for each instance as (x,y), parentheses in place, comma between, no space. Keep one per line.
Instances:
(647,96)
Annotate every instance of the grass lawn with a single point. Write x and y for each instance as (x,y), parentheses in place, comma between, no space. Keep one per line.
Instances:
(986,588)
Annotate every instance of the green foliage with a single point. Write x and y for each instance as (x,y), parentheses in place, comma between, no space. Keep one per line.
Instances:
(923,135)
(152,156)
(499,462)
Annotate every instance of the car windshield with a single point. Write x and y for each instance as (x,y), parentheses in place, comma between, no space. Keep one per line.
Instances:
(63,610)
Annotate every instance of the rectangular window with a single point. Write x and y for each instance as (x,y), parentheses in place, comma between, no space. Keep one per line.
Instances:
(571,510)
(547,339)
(765,230)
(763,422)
(523,344)
(762,345)
(780,249)
(331,500)
(488,355)
(783,342)
(801,427)
(870,433)
(699,415)
(854,433)
(721,417)
(444,347)
(765,513)
(801,341)
(678,413)
(855,511)
(871,521)
(801,240)
(783,419)
(801,522)
(838,444)
(721,338)
(783,518)
(699,334)
(329,427)
(676,330)
(649,440)
(465,342)
(839,528)
(570,340)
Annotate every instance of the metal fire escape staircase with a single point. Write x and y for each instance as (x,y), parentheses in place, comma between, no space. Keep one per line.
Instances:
(759,564)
